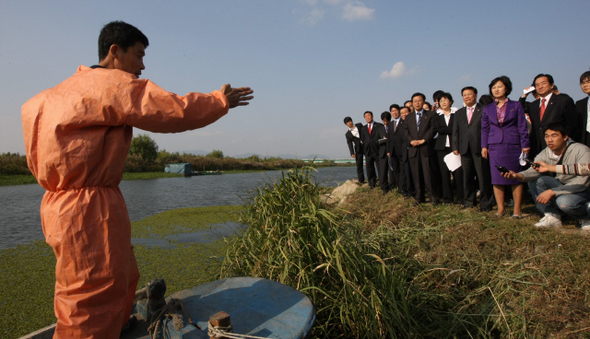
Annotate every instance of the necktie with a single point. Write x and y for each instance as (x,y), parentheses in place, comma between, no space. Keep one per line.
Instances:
(369,129)
(470,115)
(386,129)
(543,108)
(394,126)
(418,123)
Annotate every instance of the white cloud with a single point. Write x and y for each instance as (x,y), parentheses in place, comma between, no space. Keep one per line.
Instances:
(399,70)
(351,10)
(315,16)
(356,10)
(466,77)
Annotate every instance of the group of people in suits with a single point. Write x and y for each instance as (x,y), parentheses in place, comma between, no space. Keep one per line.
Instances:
(493,137)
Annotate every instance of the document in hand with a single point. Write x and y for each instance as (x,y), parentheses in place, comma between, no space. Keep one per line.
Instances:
(453,161)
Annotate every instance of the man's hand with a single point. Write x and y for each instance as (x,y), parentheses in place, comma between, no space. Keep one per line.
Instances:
(546,196)
(456,152)
(354,156)
(512,175)
(543,167)
(484,153)
(237,96)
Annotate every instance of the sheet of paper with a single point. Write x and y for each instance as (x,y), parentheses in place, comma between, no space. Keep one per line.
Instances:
(453,161)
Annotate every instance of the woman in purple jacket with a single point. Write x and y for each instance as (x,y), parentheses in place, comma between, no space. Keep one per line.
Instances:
(503,137)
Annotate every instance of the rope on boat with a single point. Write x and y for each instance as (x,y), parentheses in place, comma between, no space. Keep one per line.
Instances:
(167,313)
(219,331)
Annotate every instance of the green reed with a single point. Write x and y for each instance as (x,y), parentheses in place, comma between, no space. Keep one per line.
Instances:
(291,238)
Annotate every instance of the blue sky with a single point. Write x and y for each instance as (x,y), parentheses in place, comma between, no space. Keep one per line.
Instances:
(310,62)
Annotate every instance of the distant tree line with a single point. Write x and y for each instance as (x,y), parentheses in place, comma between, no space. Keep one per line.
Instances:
(144,156)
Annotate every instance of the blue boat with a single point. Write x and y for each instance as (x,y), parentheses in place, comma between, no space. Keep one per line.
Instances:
(257,307)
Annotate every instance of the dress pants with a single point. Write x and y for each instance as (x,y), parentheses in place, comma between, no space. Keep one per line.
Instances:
(394,172)
(446,183)
(383,169)
(371,162)
(473,165)
(420,165)
(359,167)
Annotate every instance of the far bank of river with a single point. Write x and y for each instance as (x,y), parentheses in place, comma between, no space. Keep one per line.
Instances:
(20,222)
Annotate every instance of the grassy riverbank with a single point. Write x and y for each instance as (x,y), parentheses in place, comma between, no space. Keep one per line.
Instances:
(377,267)
(374,266)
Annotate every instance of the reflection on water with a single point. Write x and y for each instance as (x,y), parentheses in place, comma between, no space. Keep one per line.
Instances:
(19,214)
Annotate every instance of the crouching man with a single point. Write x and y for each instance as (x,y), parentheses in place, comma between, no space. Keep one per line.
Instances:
(563,193)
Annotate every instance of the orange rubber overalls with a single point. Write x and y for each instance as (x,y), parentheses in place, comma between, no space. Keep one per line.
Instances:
(77,137)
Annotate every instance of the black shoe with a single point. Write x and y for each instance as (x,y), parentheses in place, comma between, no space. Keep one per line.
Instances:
(486,209)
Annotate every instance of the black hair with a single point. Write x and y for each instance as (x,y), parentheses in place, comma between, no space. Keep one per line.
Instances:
(436,95)
(429,105)
(549,78)
(418,94)
(121,34)
(386,115)
(557,127)
(448,96)
(486,99)
(368,112)
(347,119)
(469,88)
(405,103)
(394,106)
(505,80)
(406,107)
(584,76)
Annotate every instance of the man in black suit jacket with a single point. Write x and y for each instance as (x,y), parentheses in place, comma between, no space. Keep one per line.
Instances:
(558,108)
(582,109)
(419,132)
(355,145)
(393,146)
(466,141)
(383,167)
(370,135)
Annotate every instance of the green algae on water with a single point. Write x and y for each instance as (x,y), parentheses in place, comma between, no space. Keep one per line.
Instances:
(27,272)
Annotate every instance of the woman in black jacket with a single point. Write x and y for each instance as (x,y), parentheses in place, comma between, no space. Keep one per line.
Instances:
(443,125)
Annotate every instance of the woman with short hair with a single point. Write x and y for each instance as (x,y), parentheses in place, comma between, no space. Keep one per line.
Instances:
(504,136)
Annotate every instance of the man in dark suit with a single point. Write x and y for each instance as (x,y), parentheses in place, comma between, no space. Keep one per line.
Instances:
(401,146)
(550,108)
(419,132)
(392,146)
(466,141)
(370,134)
(583,109)
(355,145)
(383,167)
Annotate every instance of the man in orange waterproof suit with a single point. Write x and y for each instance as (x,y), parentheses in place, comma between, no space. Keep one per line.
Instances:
(77,136)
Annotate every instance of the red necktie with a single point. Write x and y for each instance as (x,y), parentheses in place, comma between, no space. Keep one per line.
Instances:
(369,129)
(543,108)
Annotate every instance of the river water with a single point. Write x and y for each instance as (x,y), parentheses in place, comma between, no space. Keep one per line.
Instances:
(20,221)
